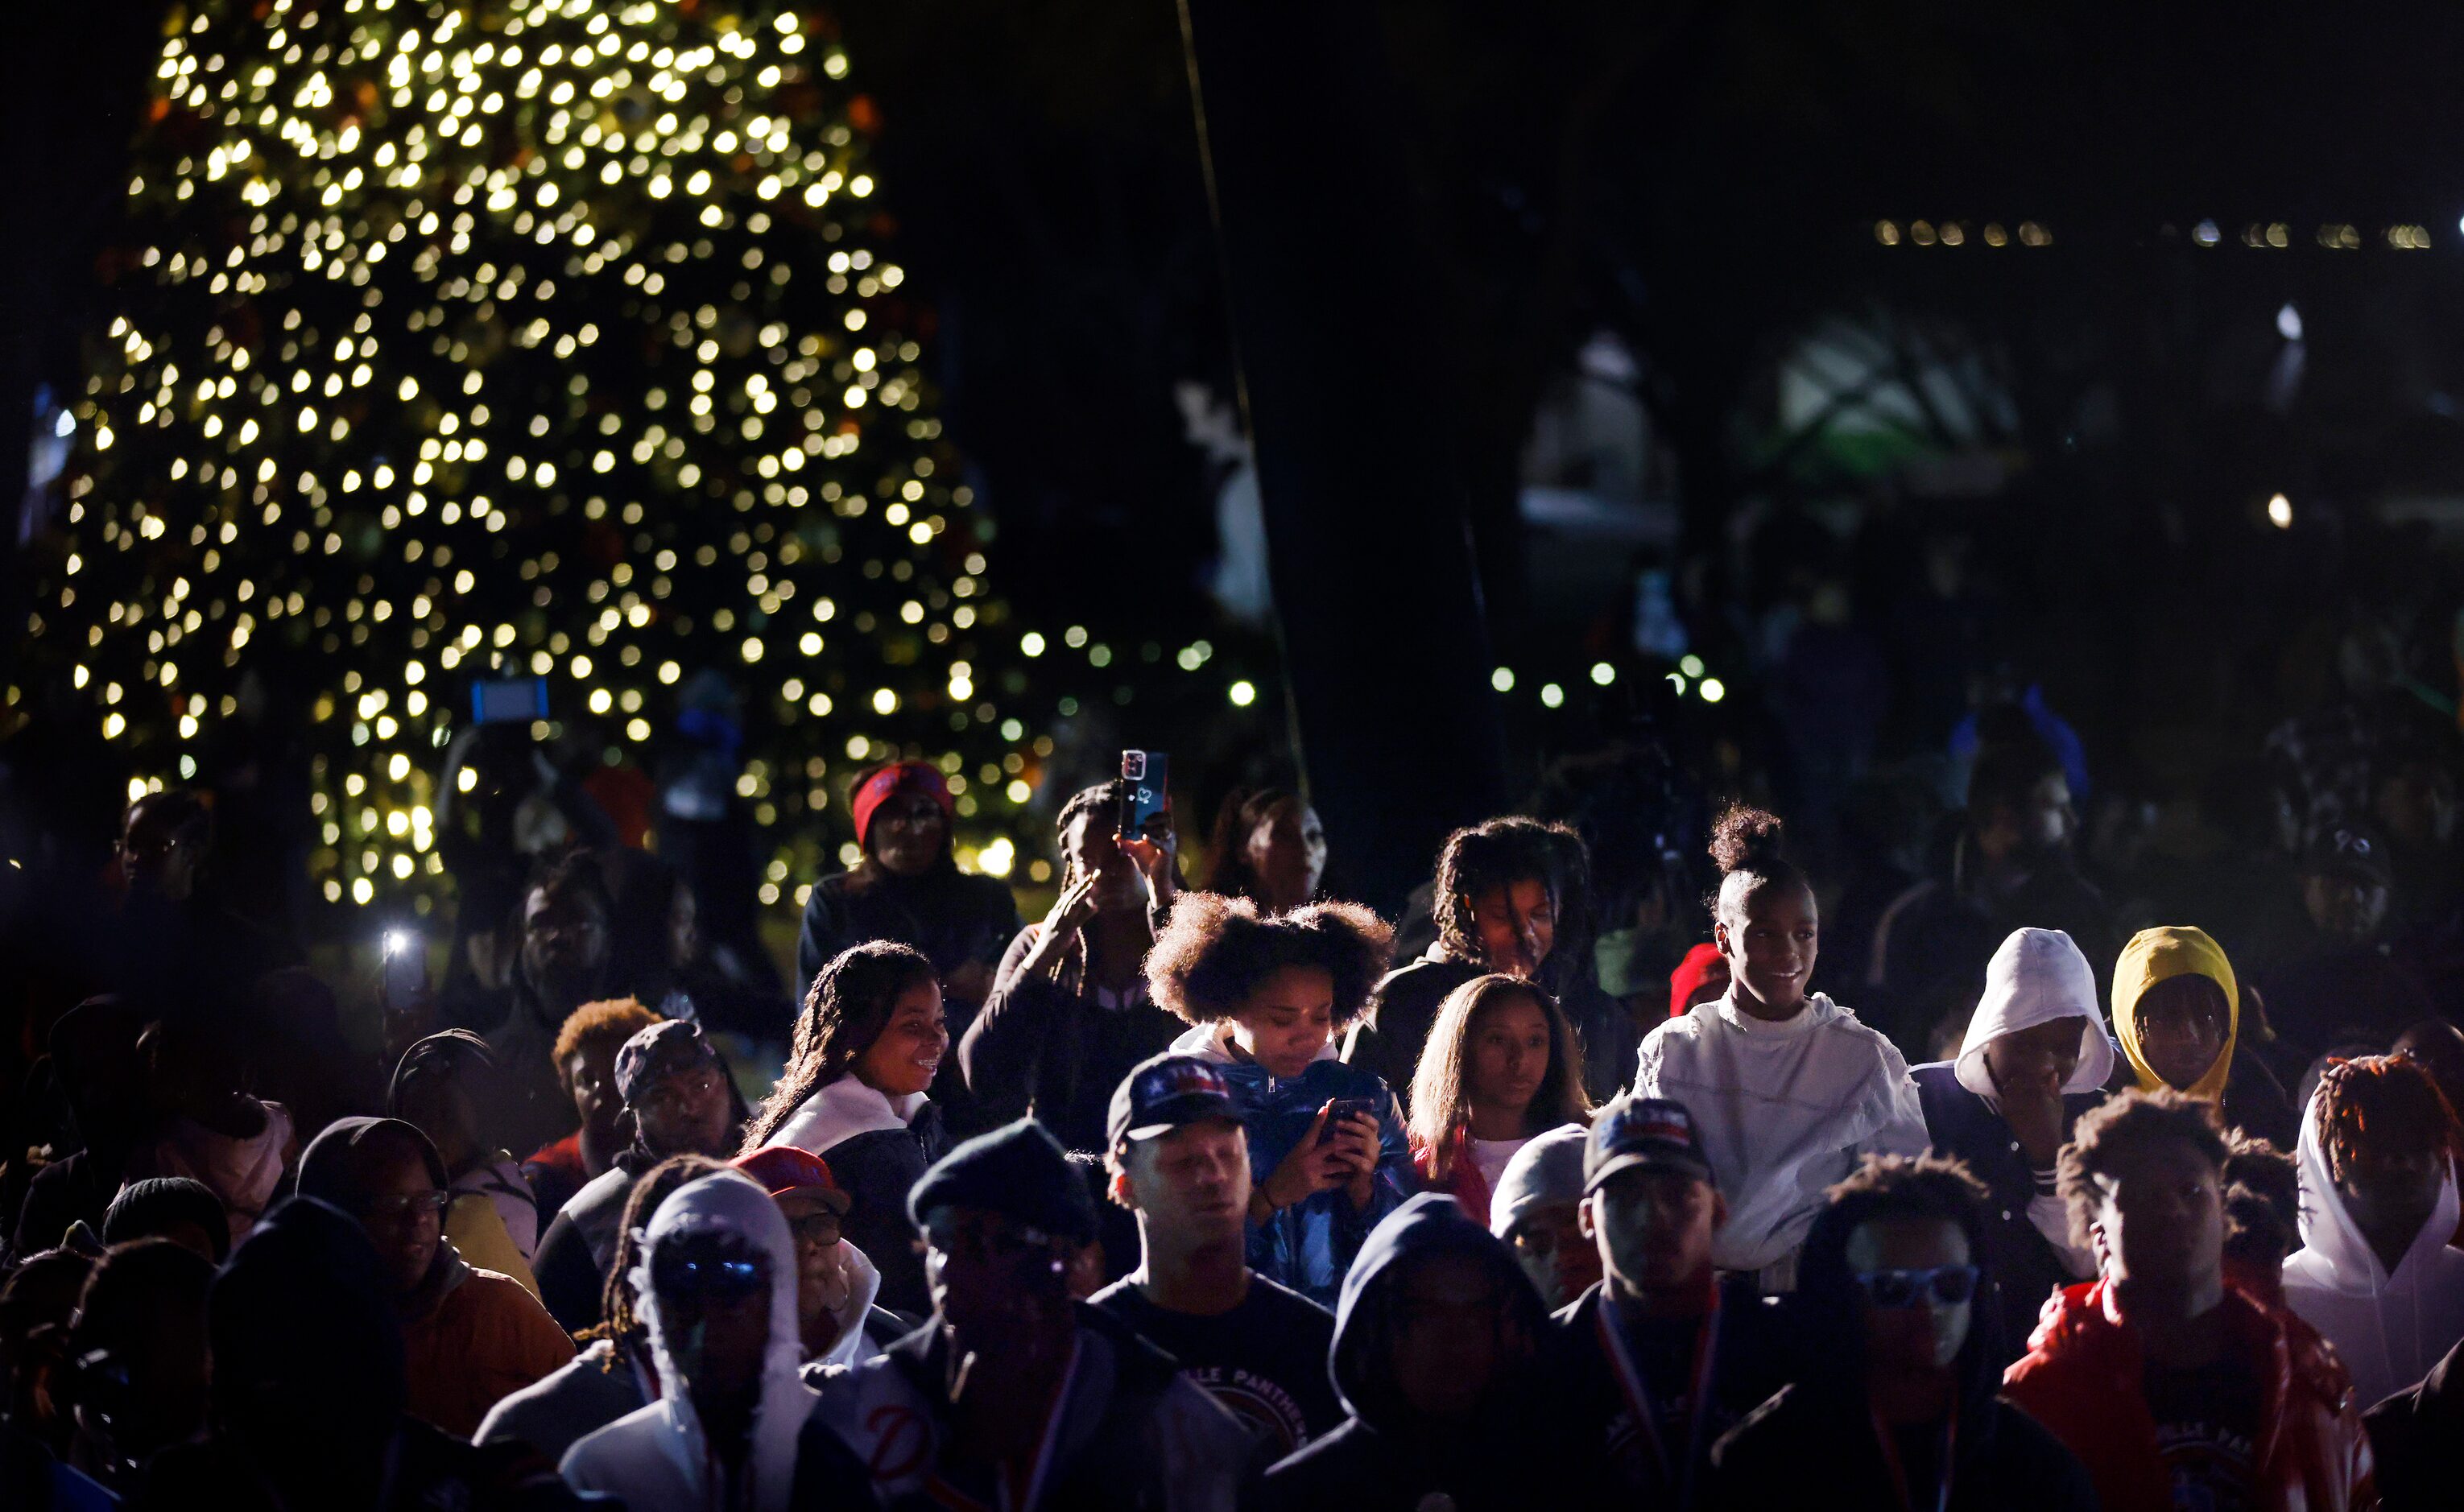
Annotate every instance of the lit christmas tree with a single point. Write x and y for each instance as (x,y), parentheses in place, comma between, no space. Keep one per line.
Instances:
(502,339)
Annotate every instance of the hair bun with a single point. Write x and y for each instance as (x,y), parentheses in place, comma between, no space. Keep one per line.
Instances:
(1747,840)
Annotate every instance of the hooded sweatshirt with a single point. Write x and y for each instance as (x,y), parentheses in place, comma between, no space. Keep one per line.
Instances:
(877,1149)
(1785,1109)
(658,1457)
(1309,1245)
(2036,977)
(2388,1330)
(471,1336)
(1504,1456)
(2242,1088)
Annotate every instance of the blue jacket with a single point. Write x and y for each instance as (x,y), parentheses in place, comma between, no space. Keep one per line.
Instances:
(1309,1245)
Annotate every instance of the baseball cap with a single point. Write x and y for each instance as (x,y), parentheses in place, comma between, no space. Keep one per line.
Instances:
(1163,1093)
(1650,1133)
(2345,851)
(670,1045)
(784,1171)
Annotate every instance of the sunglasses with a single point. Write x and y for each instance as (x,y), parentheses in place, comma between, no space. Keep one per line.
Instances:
(815,1228)
(707,1278)
(1941,1286)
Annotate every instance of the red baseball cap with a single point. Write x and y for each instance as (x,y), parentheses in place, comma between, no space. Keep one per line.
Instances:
(784,1169)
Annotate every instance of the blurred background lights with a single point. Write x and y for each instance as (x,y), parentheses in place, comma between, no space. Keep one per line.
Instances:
(2279,511)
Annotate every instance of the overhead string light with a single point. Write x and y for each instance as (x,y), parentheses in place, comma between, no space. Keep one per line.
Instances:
(459,340)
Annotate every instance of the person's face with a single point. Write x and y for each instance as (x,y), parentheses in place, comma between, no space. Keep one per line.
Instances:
(564,935)
(908,834)
(2183,1021)
(1191,1184)
(823,1279)
(1286,1020)
(2345,907)
(2390,1191)
(154,857)
(439,1104)
(1550,1246)
(406,1218)
(2047,821)
(1287,854)
(1508,1055)
(685,1112)
(1517,925)
(1090,850)
(714,1315)
(2416,805)
(904,1057)
(2159,1217)
(591,1073)
(2041,1057)
(1926,1335)
(684,927)
(1447,1323)
(1653,1229)
(995,1281)
(1772,947)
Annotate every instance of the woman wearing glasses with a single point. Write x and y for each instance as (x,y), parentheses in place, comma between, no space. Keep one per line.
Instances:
(1896,1408)
(470,1336)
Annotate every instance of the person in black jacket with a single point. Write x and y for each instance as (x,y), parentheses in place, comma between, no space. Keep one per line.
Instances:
(1500,889)
(1070,1014)
(1896,1408)
(870,1039)
(1433,1352)
(1662,1357)
(2417,1439)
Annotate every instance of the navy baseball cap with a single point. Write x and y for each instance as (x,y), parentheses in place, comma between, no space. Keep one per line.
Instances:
(1650,1133)
(1166,1092)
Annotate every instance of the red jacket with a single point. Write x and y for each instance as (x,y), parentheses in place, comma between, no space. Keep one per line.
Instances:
(2082,1378)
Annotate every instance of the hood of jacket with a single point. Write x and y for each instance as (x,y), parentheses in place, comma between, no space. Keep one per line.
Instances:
(1201,1042)
(728,1203)
(2036,977)
(1432,1223)
(2154,955)
(864,1277)
(843,1109)
(2335,1255)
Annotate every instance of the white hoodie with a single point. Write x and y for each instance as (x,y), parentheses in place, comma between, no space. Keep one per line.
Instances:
(655,1459)
(1785,1111)
(2036,977)
(2387,1329)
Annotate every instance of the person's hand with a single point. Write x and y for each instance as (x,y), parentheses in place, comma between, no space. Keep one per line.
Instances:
(1355,1145)
(1314,1166)
(2032,1107)
(1071,910)
(1156,854)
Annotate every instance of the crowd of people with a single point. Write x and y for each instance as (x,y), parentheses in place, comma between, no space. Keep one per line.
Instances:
(1239,1195)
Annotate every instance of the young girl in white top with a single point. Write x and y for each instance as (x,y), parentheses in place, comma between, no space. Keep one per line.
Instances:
(1790,1092)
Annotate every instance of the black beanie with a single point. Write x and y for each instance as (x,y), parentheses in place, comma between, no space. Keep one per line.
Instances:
(1019,1171)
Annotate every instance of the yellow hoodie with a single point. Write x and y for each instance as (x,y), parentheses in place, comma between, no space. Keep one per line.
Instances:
(2152,956)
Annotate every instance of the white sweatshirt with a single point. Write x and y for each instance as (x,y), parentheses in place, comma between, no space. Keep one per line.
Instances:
(2387,1329)
(1785,1109)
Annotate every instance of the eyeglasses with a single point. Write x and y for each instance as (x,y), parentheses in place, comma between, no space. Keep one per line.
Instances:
(399,1205)
(815,1228)
(1941,1286)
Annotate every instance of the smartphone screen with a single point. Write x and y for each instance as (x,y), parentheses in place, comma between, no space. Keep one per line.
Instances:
(509,700)
(405,967)
(1143,775)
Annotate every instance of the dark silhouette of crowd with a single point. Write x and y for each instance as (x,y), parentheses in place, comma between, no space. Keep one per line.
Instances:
(1635,1162)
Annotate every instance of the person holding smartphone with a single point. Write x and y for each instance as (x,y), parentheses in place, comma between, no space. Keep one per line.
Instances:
(1264,996)
(1070,1013)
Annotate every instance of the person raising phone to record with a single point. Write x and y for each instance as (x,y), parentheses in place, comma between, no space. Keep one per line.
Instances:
(1068,1014)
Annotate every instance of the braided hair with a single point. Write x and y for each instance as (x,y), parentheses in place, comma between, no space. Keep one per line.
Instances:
(844,1011)
(618,1323)
(1498,854)
(2385,1100)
